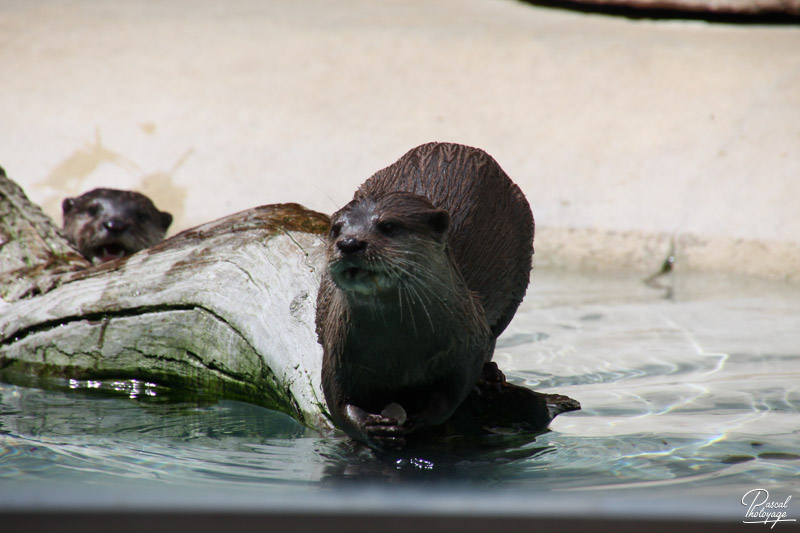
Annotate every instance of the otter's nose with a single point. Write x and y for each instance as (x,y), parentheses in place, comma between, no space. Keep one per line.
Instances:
(115,225)
(350,245)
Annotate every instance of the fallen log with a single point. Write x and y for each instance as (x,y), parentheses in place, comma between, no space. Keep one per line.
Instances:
(227,307)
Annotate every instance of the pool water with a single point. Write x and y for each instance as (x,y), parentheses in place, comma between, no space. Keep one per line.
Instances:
(690,395)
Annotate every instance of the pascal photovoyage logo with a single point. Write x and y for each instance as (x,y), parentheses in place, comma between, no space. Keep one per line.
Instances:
(762,510)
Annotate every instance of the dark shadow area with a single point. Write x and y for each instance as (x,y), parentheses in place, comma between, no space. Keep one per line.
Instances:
(201,521)
(640,13)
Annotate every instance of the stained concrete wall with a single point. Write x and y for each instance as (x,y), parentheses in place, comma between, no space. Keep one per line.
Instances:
(627,136)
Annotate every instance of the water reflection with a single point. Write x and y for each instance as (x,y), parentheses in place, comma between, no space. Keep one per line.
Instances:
(699,391)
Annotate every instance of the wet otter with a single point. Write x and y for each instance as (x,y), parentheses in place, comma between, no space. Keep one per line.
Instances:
(106,224)
(426,267)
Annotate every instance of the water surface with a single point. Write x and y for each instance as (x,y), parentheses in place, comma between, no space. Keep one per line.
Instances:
(691,397)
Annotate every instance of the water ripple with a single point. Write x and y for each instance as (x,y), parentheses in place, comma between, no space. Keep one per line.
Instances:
(701,393)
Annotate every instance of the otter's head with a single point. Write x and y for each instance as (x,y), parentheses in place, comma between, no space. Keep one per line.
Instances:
(107,224)
(375,243)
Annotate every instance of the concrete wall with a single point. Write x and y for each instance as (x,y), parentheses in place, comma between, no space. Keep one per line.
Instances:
(625,135)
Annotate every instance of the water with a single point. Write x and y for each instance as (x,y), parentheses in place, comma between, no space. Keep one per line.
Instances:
(690,394)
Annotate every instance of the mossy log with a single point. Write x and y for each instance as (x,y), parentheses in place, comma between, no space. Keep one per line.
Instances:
(227,308)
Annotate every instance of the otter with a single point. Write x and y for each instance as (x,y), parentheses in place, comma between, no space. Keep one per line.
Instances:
(106,224)
(426,266)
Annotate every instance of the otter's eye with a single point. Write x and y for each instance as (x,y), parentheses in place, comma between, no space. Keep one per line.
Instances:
(388,228)
(336,229)
(93,210)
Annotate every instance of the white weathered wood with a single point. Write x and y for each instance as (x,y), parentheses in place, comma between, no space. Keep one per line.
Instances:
(228,305)
(33,253)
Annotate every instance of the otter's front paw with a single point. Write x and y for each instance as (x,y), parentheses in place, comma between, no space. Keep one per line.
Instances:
(491,373)
(385,432)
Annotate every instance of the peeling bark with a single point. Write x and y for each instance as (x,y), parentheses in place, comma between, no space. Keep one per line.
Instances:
(33,252)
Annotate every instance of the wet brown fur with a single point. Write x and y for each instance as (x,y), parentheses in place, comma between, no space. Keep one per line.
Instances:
(104,223)
(460,251)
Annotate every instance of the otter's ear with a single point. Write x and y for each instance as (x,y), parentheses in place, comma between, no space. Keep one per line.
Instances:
(439,220)
(67,205)
(166,219)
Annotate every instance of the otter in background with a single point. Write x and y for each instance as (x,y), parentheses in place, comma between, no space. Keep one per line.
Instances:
(426,266)
(106,224)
